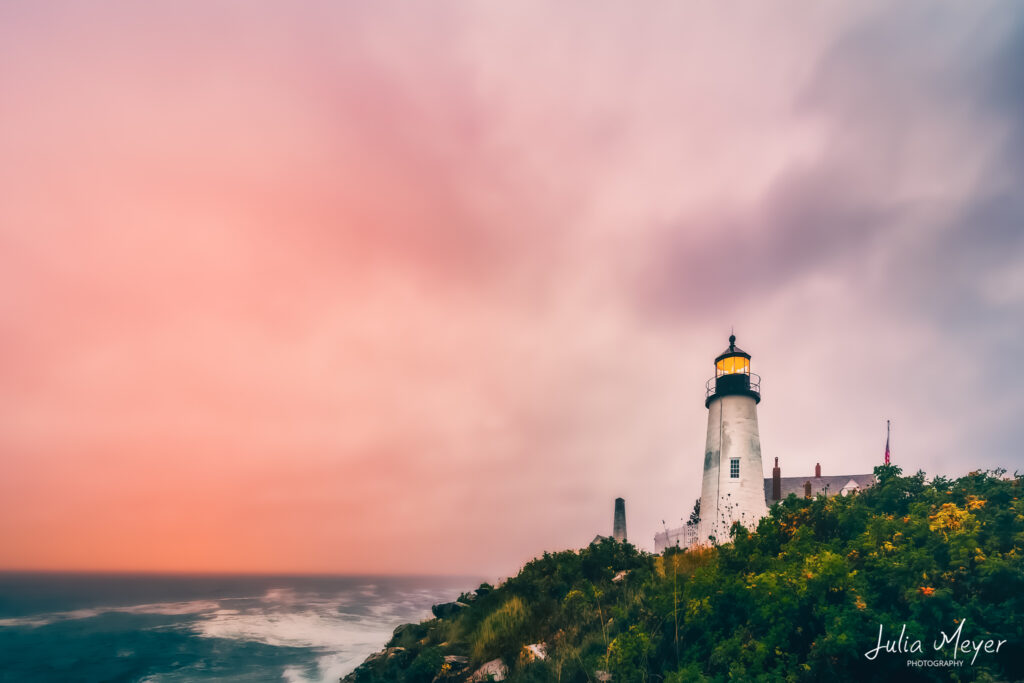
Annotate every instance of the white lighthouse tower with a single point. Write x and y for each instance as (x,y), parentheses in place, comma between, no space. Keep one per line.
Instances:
(733,486)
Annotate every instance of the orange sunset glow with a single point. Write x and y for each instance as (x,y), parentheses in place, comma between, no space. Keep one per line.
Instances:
(422,288)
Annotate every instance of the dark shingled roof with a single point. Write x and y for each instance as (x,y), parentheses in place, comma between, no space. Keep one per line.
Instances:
(831,486)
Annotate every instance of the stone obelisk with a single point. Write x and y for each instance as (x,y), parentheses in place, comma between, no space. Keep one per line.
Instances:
(619,527)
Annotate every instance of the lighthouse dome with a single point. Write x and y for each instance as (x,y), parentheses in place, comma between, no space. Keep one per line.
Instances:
(733,376)
(732,360)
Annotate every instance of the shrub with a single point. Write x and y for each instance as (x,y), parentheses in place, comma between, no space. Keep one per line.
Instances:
(502,633)
(425,666)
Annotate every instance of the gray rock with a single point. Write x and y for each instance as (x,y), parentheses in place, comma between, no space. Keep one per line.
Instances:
(447,610)
(534,652)
(494,670)
(402,628)
(386,653)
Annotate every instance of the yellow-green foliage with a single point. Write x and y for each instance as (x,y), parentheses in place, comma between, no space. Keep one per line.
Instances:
(501,633)
(682,564)
(800,599)
(628,655)
(952,519)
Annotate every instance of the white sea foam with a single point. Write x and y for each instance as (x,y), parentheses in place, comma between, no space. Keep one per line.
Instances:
(285,596)
(340,628)
(329,668)
(344,639)
(308,628)
(165,608)
(27,621)
(171,608)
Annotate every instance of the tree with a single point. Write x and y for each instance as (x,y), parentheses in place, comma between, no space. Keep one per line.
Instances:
(695,515)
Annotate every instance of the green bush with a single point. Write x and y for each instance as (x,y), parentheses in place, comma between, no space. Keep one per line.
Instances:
(799,599)
(426,666)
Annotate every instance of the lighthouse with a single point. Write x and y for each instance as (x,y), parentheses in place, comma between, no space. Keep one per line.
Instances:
(733,485)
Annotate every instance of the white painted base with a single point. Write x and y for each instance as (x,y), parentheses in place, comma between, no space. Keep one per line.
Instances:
(732,434)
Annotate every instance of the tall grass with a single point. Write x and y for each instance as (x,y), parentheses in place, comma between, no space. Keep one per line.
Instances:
(503,632)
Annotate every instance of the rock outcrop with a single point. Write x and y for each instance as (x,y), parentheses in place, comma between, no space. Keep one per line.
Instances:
(446,610)
(494,670)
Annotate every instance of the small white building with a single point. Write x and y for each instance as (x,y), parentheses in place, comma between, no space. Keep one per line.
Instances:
(680,537)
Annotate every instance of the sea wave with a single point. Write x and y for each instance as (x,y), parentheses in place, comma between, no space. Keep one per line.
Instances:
(341,627)
(165,608)
(297,630)
(307,628)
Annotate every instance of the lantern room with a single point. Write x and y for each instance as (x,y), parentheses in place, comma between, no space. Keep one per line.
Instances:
(731,364)
(733,376)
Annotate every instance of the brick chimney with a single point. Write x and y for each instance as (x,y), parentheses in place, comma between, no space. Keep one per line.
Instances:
(776,481)
(817,470)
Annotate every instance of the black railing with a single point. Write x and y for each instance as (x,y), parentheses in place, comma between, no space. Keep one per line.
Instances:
(733,383)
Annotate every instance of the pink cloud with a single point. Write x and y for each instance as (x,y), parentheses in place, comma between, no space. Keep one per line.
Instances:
(406,289)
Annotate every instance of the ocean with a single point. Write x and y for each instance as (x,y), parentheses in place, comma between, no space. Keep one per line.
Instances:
(166,629)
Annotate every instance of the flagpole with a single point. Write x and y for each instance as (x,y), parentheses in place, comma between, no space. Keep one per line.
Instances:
(887,434)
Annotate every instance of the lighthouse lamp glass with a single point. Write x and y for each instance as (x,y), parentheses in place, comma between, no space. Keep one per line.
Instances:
(732,365)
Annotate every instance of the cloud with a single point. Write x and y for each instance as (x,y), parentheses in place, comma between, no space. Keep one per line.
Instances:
(424,289)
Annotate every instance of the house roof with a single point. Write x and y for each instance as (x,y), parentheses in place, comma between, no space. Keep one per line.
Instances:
(819,485)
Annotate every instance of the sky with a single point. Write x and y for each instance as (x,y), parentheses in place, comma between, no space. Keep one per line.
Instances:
(422,287)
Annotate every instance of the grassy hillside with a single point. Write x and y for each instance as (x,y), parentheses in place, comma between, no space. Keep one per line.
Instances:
(800,599)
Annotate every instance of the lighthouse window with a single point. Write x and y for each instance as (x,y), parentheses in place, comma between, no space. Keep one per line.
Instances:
(734,468)
(732,365)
